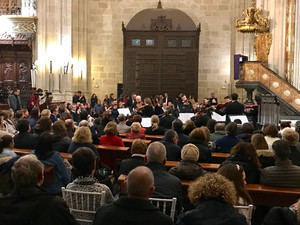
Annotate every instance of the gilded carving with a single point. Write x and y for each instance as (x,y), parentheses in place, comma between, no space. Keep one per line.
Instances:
(253,21)
(262,46)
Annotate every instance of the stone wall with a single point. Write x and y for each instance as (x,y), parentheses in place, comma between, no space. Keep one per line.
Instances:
(97,38)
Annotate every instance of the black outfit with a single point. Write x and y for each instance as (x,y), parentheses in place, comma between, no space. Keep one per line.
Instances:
(279,216)
(187,170)
(159,131)
(252,172)
(130,211)
(31,206)
(166,121)
(186,108)
(166,185)
(94,101)
(183,139)
(200,120)
(53,118)
(212,212)
(232,108)
(75,99)
(148,111)
(60,143)
(295,154)
(82,99)
(25,140)
(246,137)
(158,110)
(173,151)
(129,164)
(204,152)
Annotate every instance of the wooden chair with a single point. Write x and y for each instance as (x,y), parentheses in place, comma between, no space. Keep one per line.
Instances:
(83,205)
(247,211)
(167,206)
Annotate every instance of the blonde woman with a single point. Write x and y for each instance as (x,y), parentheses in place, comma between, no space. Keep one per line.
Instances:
(82,138)
(155,129)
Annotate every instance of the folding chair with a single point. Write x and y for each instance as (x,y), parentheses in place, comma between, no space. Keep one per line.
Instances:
(246,211)
(167,206)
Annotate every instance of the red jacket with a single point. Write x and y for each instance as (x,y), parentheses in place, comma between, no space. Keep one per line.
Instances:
(111,140)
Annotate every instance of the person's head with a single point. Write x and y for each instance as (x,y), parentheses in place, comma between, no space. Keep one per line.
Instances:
(148,101)
(237,176)
(206,132)
(190,152)
(83,123)
(46,113)
(211,125)
(135,127)
(121,117)
(83,115)
(234,96)
(69,124)
(59,128)
(19,115)
(220,127)
(270,130)
(171,136)
(231,129)
(212,186)
(259,141)
(247,128)
(54,109)
(44,124)
(27,171)
(138,147)
(84,162)
(177,126)
(281,149)
(43,148)
(154,122)
(156,152)
(246,151)
(16,91)
(82,135)
(189,125)
(198,133)
(23,125)
(284,124)
(6,142)
(138,99)
(111,128)
(290,136)
(140,183)
(137,118)
(238,122)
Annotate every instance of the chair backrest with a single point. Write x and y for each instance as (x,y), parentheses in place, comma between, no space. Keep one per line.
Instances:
(246,211)
(83,205)
(167,206)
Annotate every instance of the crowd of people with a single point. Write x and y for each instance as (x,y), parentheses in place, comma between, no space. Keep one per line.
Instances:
(267,155)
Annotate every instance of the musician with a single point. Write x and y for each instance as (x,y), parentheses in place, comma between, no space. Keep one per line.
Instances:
(131,102)
(34,99)
(186,106)
(213,100)
(147,110)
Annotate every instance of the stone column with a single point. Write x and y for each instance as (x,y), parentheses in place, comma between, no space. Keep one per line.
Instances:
(296,77)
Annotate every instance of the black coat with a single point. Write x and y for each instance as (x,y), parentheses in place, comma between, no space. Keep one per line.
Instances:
(183,139)
(234,108)
(61,144)
(166,185)
(32,207)
(25,140)
(187,170)
(295,154)
(148,111)
(212,212)
(166,121)
(129,164)
(204,152)
(130,211)
(159,131)
(173,151)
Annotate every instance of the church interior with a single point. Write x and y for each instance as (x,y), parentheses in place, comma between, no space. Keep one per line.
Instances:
(195,52)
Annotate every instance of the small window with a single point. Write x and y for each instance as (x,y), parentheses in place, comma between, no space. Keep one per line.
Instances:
(136,42)
(150,42)
(186,43)
(172,43)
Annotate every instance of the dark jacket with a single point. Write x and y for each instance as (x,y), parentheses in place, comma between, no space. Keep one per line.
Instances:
(187,170)
(173,151)
(148,111)
(166,121)
(283,174)
(74,145)
(129,164)
(234,108)
(252,172)
(295,154)
(183,139)
(159,131)
(25,140)
(60,143)
(31,206)
(166,185)
(225,143)
(204,152)
(130,211)
(279,216)
(212,212)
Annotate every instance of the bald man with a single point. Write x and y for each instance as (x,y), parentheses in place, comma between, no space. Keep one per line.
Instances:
(136,208)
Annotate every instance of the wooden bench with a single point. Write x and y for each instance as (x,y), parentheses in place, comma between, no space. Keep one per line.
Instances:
(128,142)
(152,138)
(219,157)
(20,151)
(207,166)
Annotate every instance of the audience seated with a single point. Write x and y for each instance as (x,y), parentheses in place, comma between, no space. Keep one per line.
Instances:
(219,132)
(188,168)
(264,155)
(225,143)
(6,146)
(70,127)
(24,139)
(84,167)
(188,126)
(34,117)
(271,134)
(245,155)
(135,131)
(49,157)
(43,125)
(284,173)
(138,118)
(135,209)
(167,119)
(214,197)
(54,113)
(3,131)
(7,120)
(122,127)
(155,129)
(110,137)
(247,130)
(183,139)
(28,204)
(198,137)
(82,138)
(138,151)
(170,141)
(61,140)
(292,139)
(166,185)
